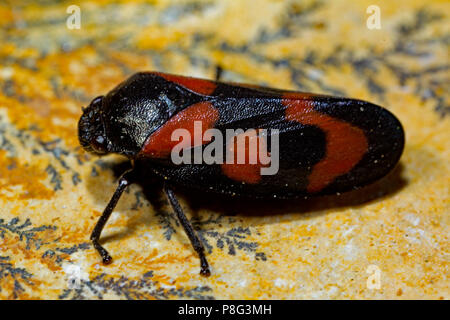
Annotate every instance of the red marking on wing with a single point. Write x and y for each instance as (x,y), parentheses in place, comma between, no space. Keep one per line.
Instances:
(200,86)
(245,172)
(345,143)
(160,144)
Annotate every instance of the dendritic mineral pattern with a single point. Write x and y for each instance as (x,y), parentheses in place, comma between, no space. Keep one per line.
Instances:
(388,240)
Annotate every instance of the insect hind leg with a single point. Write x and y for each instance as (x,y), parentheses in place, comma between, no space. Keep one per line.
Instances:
(195,241)
(219,73)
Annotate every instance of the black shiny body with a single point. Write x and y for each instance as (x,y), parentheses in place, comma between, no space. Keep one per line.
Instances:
(315,133)
(142,104)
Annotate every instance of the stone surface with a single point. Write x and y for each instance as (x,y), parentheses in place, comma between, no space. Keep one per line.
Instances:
(52,192)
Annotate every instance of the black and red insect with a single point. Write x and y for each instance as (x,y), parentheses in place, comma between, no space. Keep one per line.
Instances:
(326,144)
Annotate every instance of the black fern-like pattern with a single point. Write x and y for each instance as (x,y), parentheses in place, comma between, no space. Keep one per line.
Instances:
(59,155)
(232,240)
(25,231)
(60,253)
(409,45)
(167,220)
(131,289)
(19,276)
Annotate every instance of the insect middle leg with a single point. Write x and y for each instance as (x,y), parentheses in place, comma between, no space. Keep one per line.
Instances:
(124,181)
(195,241)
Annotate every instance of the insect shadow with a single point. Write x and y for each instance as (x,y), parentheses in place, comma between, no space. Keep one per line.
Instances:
(312,206)
(195,201)
(151,187)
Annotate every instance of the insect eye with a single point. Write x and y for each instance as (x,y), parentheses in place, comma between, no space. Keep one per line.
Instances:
(99,144)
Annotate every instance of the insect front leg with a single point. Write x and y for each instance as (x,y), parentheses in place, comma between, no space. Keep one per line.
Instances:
(124,181)
(195,241)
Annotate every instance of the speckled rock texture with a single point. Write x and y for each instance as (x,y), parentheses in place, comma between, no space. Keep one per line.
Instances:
(386,241)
